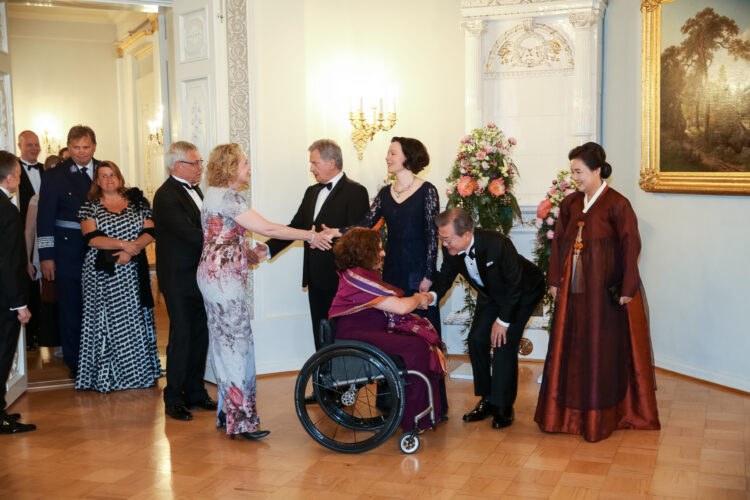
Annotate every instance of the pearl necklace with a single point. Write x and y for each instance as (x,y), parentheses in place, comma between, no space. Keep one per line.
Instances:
(399,193)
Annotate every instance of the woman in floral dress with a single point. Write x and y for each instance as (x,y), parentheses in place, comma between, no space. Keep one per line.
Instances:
(222,276)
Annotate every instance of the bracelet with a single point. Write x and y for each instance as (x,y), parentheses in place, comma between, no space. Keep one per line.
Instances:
(121,245)
(312,238)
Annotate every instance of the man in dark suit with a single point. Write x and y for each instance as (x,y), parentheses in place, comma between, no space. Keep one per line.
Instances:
(509,287)
(14,289)
(64,189)
(179,242)
(31,181)
(335,201)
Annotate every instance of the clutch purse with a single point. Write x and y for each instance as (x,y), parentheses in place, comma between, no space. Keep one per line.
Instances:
(615,292)
(105,261)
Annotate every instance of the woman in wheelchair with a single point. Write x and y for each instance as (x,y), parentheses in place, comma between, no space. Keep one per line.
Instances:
(372,311)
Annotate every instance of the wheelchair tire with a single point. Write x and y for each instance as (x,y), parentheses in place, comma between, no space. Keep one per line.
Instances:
(409,443)
(350,417)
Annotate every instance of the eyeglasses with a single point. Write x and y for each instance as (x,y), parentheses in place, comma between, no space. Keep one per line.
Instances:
(193,163)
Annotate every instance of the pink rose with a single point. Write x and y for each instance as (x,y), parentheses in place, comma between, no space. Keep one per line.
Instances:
(462,169)
(510,170)
(569,191)
(465,139)
(481,155)
(512,141)
(464,163)
(538,222)
(466,185)
(550,221)
(491,125)
(552,191)
(565,185)
(543,209)
(497,187)
(450,190)
(550,234)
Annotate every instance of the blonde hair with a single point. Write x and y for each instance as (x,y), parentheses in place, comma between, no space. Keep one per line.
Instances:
(223,164)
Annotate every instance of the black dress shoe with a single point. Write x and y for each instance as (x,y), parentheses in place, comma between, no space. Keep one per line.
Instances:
(9,416)
(207,404)
(178,412)
(252,436)
(221,420)
(482,410)
(503,418)
(15,427)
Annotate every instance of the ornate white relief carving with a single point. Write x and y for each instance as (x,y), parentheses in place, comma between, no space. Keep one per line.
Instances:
(196,112)
(586,18)
(239,85)
(529,47)
(474,28)
(239,98)
(489,3)
(5,141)
(3,30)
(194,35)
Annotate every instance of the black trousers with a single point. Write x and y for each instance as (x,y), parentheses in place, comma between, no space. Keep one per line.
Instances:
(10,328)
(35,306)
(69,254)
(186,350)
(320,302)
(496,377)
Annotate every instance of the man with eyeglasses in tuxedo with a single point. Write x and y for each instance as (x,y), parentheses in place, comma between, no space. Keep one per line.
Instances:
(179,242)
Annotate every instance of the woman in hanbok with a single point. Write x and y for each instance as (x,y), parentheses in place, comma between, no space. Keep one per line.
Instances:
(599,373)
(370,310)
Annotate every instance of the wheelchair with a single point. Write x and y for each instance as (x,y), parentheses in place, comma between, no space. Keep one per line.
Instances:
(349,396)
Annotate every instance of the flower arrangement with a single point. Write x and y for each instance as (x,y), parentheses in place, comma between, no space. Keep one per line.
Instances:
(547,214)
(482,178)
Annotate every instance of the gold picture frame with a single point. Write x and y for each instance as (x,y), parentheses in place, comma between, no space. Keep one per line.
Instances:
(652,179)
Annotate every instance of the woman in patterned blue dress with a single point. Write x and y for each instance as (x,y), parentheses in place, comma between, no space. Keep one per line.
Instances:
(222,276)
(118,336)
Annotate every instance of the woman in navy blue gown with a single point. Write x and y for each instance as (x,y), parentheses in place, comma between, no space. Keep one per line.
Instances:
(409,207)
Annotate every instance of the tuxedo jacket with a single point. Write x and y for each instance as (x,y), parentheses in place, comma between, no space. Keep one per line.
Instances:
(25,192)
(14,282)
(179,239)
(509,279)
(346,205)
(64,189)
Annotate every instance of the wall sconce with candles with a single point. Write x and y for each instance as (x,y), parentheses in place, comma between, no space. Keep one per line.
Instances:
(49,143)
(363,130)
(156,131)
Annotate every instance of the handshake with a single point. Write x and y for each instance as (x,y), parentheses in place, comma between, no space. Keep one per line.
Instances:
(425,299)
(319,240)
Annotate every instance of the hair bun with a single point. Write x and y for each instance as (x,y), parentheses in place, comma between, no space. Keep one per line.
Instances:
(606,170)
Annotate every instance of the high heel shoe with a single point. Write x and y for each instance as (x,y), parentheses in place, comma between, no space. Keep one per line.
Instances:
(252,436)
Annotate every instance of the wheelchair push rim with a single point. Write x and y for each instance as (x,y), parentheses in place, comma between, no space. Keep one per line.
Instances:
(359,394)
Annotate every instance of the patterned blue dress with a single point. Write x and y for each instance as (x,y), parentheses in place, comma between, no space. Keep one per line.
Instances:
(118,335)
(222,276)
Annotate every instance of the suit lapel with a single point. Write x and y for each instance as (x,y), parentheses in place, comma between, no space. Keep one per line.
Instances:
(183,195)
(480,250)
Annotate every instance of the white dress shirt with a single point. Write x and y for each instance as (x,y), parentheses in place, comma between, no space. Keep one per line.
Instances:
(193,194)
(34,176)
(323,194)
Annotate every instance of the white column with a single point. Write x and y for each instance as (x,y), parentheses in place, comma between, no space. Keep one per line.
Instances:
(587,87)
(473,78)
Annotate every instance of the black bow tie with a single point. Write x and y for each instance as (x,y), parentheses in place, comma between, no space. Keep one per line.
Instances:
(191,186)
(328,185)
(471,253)
(37,166)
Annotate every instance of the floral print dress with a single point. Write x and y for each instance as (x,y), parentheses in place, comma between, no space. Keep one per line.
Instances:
(222,275)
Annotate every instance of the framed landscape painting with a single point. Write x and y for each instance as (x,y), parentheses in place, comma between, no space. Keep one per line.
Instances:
(695,100)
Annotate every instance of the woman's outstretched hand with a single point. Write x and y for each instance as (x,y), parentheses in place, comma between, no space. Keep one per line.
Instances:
(624,300)
(323,239)
(257,254)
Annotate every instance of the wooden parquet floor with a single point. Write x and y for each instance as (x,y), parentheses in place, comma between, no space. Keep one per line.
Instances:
(120,445)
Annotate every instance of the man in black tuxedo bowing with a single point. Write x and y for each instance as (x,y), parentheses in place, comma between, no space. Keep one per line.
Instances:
(335,201)
(179,242)
(31,182)
(14,285)
(509,287)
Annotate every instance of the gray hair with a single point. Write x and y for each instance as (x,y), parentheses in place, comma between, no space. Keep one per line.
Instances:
(177,152)
(459,217)
(328,149)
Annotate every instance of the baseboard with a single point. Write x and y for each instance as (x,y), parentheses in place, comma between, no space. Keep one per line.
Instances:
(723,379)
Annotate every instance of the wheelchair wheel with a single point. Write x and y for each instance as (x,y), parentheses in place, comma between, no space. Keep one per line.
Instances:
(359,394)
(409,443)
